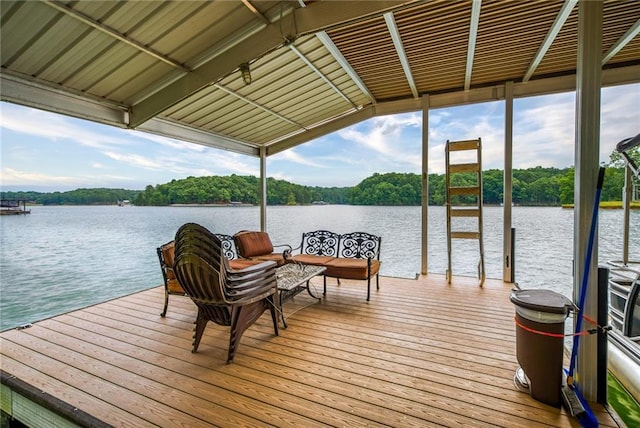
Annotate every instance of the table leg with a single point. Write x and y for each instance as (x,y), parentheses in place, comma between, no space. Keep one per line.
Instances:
(284,321)
(309,291)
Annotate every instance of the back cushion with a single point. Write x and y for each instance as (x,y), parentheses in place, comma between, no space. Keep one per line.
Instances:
(168,253)
(252,244)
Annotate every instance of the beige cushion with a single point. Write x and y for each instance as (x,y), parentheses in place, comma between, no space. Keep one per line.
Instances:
(310,259)
(168,254)
(350,268)
(273,257)
(239,264)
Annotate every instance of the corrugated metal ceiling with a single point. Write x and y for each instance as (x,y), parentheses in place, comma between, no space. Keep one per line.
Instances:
(173,67)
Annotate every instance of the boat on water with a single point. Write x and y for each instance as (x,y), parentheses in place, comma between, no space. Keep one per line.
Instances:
(624,315)
(13,207)
(624,292)
(124,203)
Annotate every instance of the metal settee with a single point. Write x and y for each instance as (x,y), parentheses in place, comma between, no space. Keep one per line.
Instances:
(353,255)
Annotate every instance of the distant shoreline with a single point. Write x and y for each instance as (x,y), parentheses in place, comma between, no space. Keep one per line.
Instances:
(609,205)
(224,205)
(603,205)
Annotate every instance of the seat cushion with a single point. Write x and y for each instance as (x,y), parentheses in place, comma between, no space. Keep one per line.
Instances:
(172,283)
(251,244)
(273,257)
(168,253)
(238,264)
(310,259)
(350,268)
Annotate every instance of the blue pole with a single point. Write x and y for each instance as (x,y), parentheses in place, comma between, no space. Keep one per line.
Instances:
(585,274)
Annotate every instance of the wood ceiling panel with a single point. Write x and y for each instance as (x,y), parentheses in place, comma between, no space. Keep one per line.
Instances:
(435,36)
(509,36)
(369,49)
(619,17)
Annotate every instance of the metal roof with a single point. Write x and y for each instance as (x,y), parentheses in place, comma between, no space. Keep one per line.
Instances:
(173,68)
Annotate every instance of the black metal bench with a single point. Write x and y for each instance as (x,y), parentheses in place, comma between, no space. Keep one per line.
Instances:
(353,255)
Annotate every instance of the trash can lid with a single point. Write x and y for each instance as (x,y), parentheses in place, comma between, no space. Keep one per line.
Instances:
(542,300)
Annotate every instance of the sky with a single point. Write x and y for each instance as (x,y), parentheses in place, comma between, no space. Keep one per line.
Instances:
(42,151)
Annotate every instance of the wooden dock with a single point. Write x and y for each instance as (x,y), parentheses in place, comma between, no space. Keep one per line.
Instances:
(13,207)
(420,353)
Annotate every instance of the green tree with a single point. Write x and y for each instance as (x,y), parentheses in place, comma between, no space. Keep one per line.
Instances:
(566,186)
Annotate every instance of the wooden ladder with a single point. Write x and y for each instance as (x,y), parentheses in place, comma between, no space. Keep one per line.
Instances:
(463,183)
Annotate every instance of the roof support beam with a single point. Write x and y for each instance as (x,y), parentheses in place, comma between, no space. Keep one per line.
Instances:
(189,134)
(473,35)
(337,55)
(258,106)
(319,73)
(315,17)
(113,33)
(622,42)
(255,11)
(321,130)
(22,91)
(397,42)
(391,107)
(561,18)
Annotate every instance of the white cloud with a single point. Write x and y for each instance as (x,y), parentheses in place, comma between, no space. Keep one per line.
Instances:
(136,160)
(387,142)
(12,177)
(620,117)
(55,127)
(544,133)
(165,141)
(293,156)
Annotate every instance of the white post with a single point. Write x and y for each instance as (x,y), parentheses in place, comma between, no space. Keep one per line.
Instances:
(263,189)
(587,149)
(507,256)
(627,197)
(425,185)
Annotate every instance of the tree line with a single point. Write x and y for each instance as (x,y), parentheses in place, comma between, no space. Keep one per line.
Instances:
(532,186)
(96,196)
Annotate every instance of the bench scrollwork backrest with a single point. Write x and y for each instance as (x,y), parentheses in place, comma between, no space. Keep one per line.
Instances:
(320,243)
(360,245)
(228,245)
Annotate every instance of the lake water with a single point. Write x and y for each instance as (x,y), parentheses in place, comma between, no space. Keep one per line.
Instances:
(59,259)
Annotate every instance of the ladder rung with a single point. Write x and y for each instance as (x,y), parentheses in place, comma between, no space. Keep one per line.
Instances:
(464,191)
(465,235)
(465,212)
(463,145)
(464,167)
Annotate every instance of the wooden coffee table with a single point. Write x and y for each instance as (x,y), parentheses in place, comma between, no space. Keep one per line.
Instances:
(293,278)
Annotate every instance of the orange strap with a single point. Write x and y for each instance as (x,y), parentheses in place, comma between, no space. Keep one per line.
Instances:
(557,335)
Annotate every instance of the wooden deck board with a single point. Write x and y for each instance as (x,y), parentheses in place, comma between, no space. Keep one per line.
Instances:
(420,353)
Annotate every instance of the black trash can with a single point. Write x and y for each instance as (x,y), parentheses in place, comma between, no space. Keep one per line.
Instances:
(540,317)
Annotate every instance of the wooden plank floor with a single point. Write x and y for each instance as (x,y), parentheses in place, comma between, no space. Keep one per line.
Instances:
(420,353)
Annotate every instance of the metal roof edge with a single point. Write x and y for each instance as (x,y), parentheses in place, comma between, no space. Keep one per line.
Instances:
(27,92)
(178,131)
